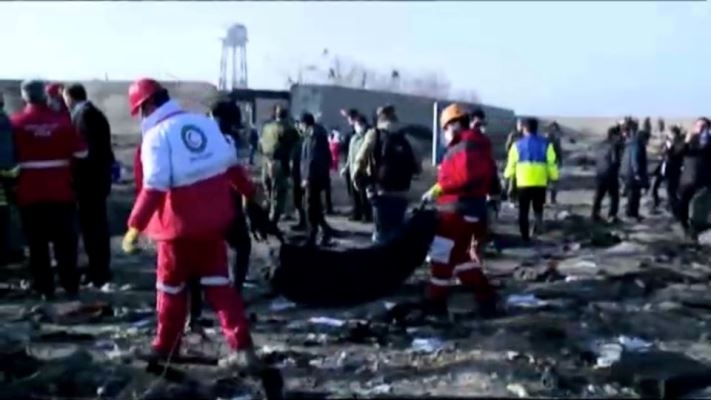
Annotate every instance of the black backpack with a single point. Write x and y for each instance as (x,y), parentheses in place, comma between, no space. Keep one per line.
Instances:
(394,161)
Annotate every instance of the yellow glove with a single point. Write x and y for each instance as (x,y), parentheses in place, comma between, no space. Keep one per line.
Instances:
(128,245)
(432,194)
(11,173)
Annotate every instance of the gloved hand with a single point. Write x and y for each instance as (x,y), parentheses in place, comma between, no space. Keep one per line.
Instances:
(432,194)
(10,173)
(259,223)
(128,245)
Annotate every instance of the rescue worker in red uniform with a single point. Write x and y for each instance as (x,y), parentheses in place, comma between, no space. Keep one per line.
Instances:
(185,161)
(464,181)
(46,144)
(55,101)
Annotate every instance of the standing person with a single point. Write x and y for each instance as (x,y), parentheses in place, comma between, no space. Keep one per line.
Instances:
(464,180)
(695,174)
(46,147)
(185,159)
(362,210)
(8,174)
(276,144)
(238,238)
(478,124)
(669,169)
(634,167)
(647,126)
(607,178)
(387,159)
(511,139)
(315,166)
(238,234)
(532,162)
(553,137)
(297,190)
(253,136)
(661,126)
(334,146)
(55,101)
(93,184)
(350,116)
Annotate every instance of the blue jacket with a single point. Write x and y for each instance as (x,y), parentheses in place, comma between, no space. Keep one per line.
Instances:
(532,160)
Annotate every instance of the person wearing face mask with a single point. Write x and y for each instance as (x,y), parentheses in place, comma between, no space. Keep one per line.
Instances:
(185,160)
(478,123)
(510,184)
(362,210)
(533,163)
(695,176)
(464,180)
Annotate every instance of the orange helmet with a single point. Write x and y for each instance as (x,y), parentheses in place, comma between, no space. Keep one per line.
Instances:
(452,112)
(140,91)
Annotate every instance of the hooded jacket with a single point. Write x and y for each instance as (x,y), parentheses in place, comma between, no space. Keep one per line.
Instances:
(185,190)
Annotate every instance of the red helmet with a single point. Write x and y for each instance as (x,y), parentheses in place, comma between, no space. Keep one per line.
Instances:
(54,90)
(140,91)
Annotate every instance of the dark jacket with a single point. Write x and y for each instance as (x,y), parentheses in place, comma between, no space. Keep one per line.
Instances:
(608,158)
(94,172)
(315,156)
(672,160)
(7,148)
(697,162)
(634,160)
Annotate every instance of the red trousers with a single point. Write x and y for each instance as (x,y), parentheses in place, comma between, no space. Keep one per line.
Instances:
(180,261)
(456,251)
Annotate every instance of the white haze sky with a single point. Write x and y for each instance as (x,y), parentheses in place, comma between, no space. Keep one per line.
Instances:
(551,58)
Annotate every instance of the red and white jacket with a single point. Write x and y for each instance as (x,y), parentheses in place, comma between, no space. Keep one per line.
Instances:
(46,144)
(185,190)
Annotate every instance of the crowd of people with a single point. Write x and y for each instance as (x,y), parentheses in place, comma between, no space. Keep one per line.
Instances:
(194,197)
(57,167)
(380,164)
(622,157)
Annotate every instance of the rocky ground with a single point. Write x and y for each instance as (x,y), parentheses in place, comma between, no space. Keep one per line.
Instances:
(590,311)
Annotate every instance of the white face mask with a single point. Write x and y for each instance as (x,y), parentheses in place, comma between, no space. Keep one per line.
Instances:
(448,135)
(359,128)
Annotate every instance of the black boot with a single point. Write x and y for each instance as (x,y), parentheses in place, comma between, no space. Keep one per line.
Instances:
(301,225)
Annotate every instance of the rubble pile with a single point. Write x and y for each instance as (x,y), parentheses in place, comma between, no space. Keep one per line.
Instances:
(590,310)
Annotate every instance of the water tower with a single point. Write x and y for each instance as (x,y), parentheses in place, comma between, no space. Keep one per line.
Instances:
(235,44)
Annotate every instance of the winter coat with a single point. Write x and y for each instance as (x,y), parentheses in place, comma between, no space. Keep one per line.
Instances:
(696,162)
(7,147)
(466,175)
(315,156)
(532,161)
(185,161)
(634,160)
(94,173)
(608,158)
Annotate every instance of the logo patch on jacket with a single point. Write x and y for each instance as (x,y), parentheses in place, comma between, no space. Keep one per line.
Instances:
(193,138)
